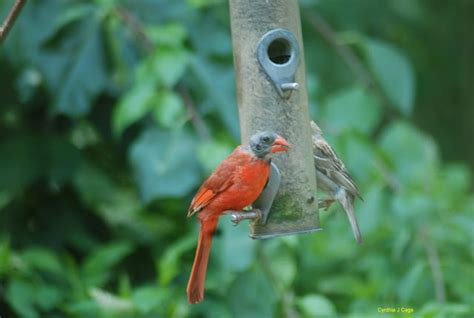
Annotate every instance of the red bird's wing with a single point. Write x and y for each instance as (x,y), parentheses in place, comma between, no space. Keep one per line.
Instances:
(217,182)
(207,192)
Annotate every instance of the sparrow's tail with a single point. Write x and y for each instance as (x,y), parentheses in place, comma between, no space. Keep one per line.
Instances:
(347,202)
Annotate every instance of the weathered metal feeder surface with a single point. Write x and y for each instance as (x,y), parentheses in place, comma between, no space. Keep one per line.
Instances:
(271,94)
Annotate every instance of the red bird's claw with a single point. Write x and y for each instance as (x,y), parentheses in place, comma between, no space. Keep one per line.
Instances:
(258,215)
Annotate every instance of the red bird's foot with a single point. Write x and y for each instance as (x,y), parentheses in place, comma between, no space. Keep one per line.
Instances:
(237,216)
(326,203)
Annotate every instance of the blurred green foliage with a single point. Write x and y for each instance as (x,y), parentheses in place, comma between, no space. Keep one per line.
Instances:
(113,112)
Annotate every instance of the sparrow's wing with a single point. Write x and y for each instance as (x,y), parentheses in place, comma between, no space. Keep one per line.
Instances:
(328,163)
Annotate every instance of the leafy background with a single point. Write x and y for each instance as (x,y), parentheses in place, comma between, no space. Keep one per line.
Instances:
(113,112)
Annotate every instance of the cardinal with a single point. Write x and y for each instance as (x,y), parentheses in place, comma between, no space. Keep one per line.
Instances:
(235,183)
(334,179)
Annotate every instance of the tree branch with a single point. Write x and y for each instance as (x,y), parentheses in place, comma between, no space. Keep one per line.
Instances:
(435,266)
(136,27)
(10,19)
(390,178)
(196,119)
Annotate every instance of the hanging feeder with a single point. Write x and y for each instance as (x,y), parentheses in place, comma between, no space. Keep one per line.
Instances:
(271,96)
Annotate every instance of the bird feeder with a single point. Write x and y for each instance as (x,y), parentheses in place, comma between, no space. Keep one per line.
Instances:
(271,96)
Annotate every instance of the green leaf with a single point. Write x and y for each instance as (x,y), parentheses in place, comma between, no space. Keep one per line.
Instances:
(236,249)
(25,158)
(73,13)
(211,37)
(97,268)
(110,303)
(71,56)
(93,186)
(43,259)
(5,257)
(445,310)
(170,261)
(456,178)
(169,109)
(359,156)
(84,75)
(337,284)
(135,104)
(20,295)
(414,206)
(117,205)
(353,108)
(164,67)
(409,283)
(17,169)
(211,309)
(164,164)
(394,73)
(154,12)
(147,298)
(401,243)
(124,288)
(172,35)
(63,160)
(48,296)
(204,3)
(211,153)
(25,40)
(220,93)
(413,154)
(84,308)
(251,296)
(282,262)
(316,306)
(375,200)
(24,296)
(170,65)
(84,134)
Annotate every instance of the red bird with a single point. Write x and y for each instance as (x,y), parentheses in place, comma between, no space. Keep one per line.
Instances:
(235,183)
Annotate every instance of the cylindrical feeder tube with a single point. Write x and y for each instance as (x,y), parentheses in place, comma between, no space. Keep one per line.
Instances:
(271,95)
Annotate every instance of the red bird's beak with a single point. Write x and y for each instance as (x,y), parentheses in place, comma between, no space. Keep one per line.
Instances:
(280,144)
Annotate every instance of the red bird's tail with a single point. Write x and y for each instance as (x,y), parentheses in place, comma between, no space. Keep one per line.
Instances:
(195,288)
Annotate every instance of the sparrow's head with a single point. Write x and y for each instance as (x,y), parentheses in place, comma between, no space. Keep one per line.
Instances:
(264,143)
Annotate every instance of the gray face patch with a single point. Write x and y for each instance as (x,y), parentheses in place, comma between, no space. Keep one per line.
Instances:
(261,143)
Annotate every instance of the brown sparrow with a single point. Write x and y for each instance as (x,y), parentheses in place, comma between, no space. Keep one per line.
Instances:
(333,179)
